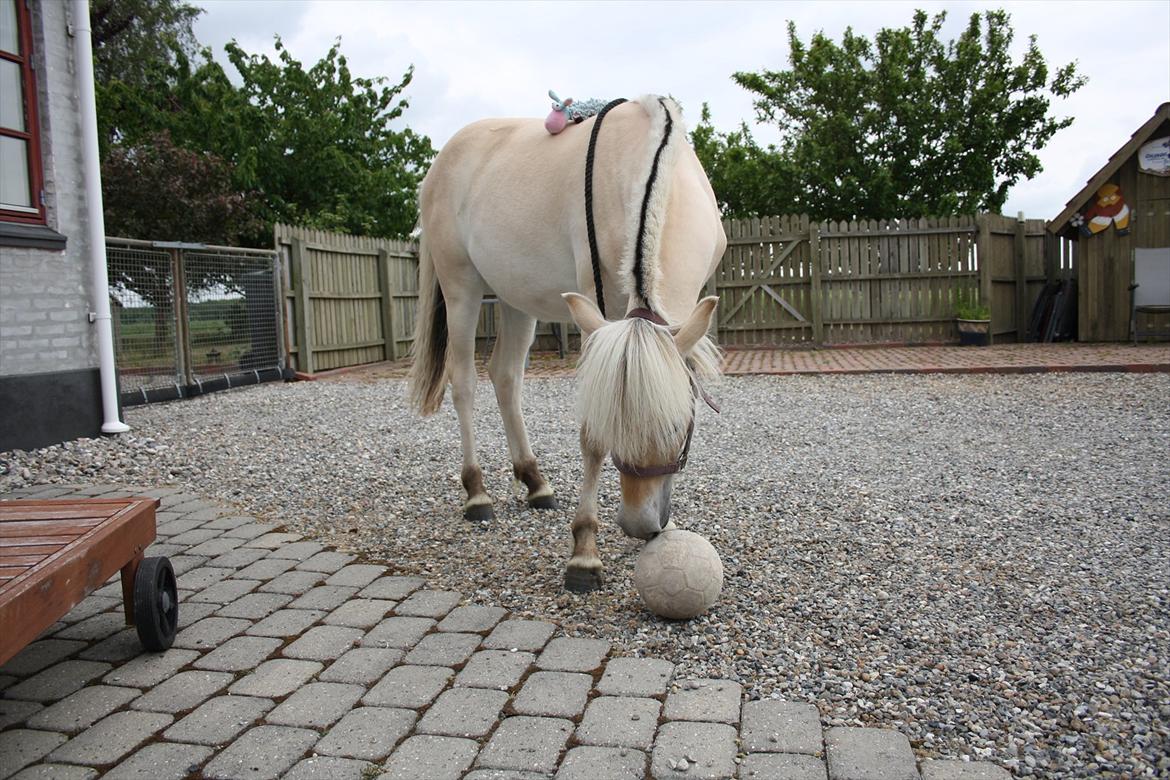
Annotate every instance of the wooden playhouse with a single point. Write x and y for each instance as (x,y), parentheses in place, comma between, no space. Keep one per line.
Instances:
(1122,213)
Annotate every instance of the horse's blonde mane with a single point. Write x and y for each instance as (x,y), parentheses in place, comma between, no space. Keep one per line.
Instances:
(634,395)
(664,113)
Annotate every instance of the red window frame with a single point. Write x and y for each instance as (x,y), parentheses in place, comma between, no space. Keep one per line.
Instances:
(32,132)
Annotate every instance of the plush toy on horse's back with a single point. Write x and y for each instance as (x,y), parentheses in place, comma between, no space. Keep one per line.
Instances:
(565,111)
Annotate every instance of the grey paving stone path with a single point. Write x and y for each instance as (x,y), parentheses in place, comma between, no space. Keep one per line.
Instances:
(295,661)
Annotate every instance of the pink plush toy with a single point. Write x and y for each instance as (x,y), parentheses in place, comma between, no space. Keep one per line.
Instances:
(556,120)
(565,111)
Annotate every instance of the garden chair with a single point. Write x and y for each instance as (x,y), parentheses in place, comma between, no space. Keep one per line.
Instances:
(1150,291)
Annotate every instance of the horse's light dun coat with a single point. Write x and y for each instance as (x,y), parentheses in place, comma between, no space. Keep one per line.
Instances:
(502,209)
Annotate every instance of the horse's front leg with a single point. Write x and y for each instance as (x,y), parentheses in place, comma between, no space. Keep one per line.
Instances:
(583,573)
(506,369)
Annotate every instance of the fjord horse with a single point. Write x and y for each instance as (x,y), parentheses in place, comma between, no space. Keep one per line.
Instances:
(503,208)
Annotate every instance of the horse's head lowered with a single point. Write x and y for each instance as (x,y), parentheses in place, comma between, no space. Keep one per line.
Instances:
(636,392)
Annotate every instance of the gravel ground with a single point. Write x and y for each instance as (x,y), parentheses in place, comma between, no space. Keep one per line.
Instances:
(977,561)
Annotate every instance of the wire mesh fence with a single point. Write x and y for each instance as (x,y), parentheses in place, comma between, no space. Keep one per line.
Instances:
(143,304)
(231,312)
(190,318)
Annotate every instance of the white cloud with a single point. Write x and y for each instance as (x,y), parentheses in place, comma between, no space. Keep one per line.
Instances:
(498,59)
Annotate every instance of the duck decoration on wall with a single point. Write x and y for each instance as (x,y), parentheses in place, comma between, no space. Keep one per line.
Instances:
(1109,209)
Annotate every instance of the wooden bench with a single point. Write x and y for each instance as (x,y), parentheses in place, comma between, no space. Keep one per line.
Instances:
(55,553)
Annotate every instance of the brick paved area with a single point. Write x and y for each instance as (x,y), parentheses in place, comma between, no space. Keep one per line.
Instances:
(1005,359)
(1002,359)
(299,662)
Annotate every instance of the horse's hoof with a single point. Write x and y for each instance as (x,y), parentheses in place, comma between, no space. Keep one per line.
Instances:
(479,513)
(543,502)
(582,580)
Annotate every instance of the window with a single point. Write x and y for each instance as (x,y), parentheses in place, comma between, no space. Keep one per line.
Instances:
(20,153)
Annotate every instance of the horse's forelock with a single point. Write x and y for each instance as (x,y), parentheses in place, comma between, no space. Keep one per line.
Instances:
(634,394)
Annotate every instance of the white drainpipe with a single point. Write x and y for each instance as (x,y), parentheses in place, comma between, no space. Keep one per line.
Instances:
(92,174)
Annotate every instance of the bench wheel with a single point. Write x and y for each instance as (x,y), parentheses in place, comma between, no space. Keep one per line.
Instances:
(156,604)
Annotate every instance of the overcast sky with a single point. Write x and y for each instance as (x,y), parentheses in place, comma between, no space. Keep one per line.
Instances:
(481,59)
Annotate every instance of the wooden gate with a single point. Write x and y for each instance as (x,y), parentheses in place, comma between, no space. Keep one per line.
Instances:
(785,280)
(764,282)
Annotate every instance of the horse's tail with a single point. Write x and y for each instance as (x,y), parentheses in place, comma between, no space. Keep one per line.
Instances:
(428,371)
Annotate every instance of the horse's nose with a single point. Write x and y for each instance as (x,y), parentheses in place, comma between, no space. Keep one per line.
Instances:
(648,519)
(643,522)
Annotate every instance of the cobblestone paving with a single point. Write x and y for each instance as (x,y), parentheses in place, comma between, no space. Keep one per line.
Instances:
(1001,359)
(299,662)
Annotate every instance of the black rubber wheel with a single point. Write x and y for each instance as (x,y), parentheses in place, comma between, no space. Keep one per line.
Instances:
(156,604)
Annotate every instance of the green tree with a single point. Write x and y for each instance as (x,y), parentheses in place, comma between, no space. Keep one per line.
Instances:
(320,148)
(158,189)
(315,147)
(183,105)
(151,102)
(747,178)
(904,125)
(132,36)
(152,187)
(187,155)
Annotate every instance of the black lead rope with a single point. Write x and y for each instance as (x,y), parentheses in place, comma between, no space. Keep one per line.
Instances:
(594,255)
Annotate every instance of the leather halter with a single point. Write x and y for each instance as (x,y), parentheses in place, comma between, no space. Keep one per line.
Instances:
(646,314)
(631,470)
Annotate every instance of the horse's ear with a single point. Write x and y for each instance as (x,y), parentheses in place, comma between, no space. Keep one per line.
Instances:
(584,312)
(696,325)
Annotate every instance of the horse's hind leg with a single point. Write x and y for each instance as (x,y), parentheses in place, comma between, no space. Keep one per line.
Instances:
(462,319)
(506,369)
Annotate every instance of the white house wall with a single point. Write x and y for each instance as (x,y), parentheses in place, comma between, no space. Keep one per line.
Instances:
(49,385)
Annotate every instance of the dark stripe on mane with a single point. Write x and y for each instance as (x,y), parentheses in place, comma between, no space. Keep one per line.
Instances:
(639,249)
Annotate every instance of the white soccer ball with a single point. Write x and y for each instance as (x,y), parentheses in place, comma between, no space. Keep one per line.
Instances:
(678,575)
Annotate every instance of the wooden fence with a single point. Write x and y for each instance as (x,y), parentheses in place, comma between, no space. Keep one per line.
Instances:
(789,281)
(350,300)
(784,281)
(343,304)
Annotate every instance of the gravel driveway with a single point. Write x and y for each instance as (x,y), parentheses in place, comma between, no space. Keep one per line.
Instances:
(978,561)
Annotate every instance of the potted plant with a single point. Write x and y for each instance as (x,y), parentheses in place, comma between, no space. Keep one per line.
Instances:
(973,319)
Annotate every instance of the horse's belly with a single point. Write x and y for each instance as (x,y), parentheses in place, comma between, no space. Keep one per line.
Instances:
(528,282)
